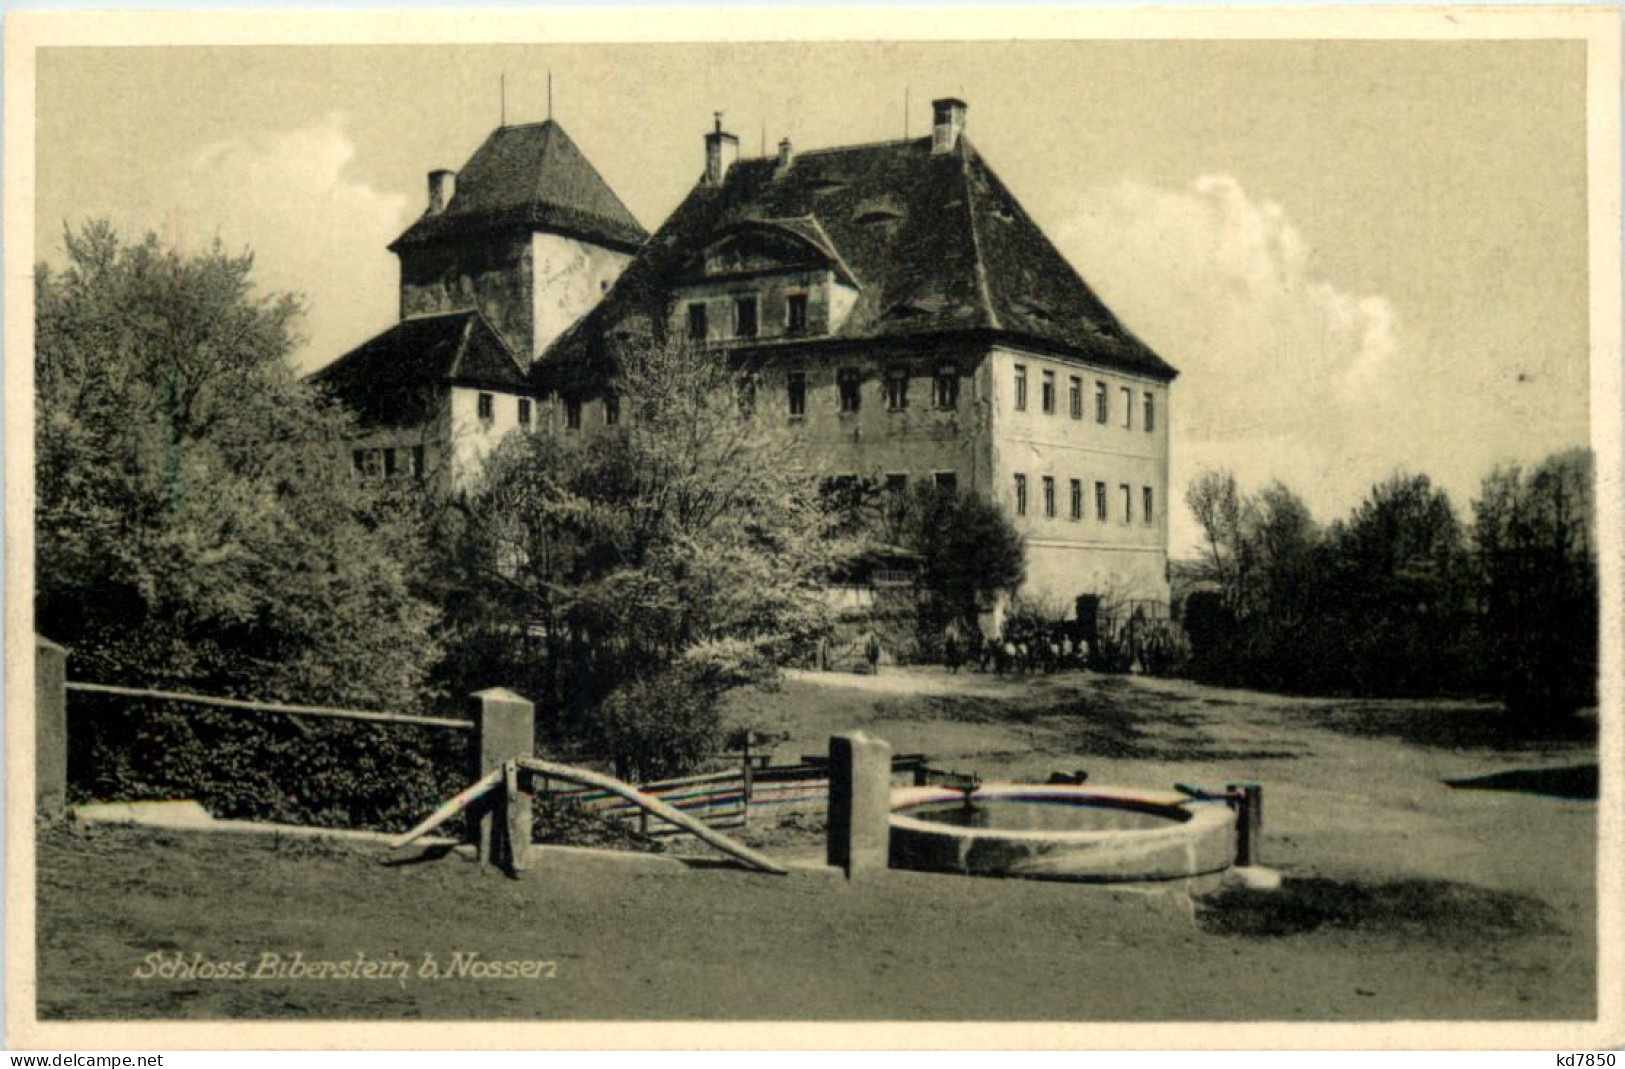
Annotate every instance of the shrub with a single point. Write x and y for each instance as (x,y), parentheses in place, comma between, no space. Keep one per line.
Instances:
(263,766)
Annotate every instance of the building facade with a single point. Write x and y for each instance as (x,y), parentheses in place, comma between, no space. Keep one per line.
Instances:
(900,313)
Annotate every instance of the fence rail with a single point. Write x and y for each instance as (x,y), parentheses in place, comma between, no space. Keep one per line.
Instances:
(726,799)
(274,707)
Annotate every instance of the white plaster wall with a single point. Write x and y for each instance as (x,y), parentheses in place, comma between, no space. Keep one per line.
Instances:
(472,438)
(1119,557)
(568,277)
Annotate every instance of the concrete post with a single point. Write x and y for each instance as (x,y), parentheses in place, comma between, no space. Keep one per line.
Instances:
(50,728)
(504,728)
(859,831)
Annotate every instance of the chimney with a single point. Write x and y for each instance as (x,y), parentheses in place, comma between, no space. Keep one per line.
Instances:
(947,124)
(442,186)
(785,158)
(721,152)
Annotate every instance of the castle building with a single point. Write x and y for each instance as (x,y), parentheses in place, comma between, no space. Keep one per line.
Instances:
(902,314)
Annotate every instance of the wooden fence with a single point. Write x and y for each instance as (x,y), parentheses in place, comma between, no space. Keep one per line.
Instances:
(503,726)
(728,799)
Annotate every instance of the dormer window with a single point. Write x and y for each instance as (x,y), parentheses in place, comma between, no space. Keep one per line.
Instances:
(745,317)
(696,322)
(795,314)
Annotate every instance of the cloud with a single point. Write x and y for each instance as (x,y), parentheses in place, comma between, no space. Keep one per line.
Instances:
(314,228)
(1284,373)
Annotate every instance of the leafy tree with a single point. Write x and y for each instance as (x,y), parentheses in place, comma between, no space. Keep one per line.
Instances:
(652,565)
(1224,515)
(1399,587)
(1533,536)
(969,551)
(1266,553)
(196,522)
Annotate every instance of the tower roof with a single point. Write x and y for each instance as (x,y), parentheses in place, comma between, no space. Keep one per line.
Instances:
(530,177)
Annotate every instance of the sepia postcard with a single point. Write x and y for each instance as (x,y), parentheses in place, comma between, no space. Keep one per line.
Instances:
(819,527)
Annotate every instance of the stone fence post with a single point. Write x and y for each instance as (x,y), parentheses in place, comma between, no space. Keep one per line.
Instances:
(504,728)
(50,728)
(1249,822)
(859,831)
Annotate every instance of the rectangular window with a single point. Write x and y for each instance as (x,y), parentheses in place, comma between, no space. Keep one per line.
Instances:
(389,463)
(1101,402)
(897,388)
(572,414)
(947,480)
(1077,499)
(524,411)
(1100,502)
(1021,388)
(358,457)
(945,388)
(487,407)
(1128,406)
(847,380)
(796,388)
(1147,504)
(745,317)
(1049,496)
(896,482)
(1021,495)
(795,314)
(1128,502)
(1076,397)
(417,460)
(1150,419)
(612,410)
(697,327)
(1047,397)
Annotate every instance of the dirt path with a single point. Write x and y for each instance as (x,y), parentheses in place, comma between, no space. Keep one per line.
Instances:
(1406,898)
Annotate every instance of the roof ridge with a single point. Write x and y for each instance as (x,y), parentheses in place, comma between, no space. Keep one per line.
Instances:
(965,151)
(453,371)
(829,149)
(1015,205)
(525,125)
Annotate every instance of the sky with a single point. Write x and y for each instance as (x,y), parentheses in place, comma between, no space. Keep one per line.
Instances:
(1362,256)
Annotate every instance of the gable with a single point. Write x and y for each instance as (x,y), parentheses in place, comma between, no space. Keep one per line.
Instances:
(753,251)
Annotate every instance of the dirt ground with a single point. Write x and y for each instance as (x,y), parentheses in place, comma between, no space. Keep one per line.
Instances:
(1405,897)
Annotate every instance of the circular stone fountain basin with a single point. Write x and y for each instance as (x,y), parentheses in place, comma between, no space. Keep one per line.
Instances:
(1089,834)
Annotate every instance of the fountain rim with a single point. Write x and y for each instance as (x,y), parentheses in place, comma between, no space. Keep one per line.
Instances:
(1193,814)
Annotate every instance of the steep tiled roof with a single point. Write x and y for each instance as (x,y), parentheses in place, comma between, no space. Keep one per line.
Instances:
(937,245)
(390,378)
(530,176)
